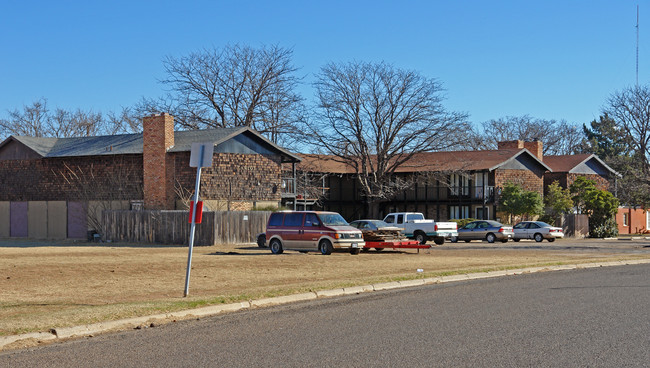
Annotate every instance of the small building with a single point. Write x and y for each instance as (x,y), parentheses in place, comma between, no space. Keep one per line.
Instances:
(633,220)
(53,187)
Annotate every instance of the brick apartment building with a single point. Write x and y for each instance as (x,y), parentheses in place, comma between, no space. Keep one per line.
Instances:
(454,184)
(49,185)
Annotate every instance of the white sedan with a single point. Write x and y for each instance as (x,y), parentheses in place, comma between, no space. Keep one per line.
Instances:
(537,230)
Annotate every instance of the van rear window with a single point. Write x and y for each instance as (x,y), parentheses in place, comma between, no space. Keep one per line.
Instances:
(293,219)
(275,219)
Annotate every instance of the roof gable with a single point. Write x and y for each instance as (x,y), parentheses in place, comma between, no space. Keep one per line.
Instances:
(584,163)
(13,149)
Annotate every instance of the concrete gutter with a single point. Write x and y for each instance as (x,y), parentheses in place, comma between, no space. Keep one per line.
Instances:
(57,334)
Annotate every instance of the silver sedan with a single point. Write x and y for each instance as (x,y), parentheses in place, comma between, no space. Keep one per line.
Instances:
(484,230)
(537,230)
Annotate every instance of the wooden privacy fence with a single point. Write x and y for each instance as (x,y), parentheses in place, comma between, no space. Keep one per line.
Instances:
(172,227)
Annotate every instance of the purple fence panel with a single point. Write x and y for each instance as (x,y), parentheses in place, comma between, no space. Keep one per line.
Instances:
(18,219)
(77,220)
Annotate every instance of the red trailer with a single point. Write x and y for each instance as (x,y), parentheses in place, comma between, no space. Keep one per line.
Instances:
(381,245)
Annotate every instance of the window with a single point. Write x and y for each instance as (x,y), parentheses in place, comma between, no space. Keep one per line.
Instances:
(626,219)
(311,220)
(647,220)
(479,213)
(414,216)
(521,225)
(400,219)
(458,212)
(459,185)
(293,219)
(390,219)
(276,219)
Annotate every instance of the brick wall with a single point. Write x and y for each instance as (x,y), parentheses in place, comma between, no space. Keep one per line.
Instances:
(636,221)
(566,179)
(527,179)
(236,177)
(76,178)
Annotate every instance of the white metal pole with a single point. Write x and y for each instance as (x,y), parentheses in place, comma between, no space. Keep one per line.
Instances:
(196,199)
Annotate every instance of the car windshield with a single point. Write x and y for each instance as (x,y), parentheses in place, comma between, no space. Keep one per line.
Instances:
(332,219)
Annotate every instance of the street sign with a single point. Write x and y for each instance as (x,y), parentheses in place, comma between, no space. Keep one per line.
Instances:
(201,158)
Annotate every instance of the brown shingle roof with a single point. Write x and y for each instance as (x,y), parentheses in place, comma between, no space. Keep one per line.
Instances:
(565,163)
(426,161)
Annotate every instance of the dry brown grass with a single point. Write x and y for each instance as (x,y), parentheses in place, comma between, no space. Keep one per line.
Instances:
(56,286)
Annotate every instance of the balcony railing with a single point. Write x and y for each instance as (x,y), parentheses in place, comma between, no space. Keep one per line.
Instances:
(288,188)
(476,192)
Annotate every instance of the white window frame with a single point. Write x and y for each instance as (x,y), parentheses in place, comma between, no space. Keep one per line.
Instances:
(647,220)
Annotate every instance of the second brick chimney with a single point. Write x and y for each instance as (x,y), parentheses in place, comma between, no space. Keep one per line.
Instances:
(157,138)
(535,147)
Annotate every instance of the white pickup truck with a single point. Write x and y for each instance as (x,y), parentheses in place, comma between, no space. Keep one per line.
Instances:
(416,227)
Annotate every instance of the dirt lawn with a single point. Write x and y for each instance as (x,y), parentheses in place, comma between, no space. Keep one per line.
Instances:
(43,287)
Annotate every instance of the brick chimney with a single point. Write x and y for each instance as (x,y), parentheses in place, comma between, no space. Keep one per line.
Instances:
(157,138)
(535,147)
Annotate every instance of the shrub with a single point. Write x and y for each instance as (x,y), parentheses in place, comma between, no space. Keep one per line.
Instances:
(462,222)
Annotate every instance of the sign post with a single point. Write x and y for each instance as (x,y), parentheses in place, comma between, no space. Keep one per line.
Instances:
(201,156)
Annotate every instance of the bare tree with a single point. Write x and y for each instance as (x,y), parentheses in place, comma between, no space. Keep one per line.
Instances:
(558,137)
(234,86)
(630,109)
(31,121)
(629,140)
(36,120)
(375,118)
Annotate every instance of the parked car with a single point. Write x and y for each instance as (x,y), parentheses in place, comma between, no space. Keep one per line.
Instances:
(417,227)
(484,230)
(537,230)
(311,231)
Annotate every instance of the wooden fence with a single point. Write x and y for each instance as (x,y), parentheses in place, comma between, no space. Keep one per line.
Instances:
(172,227)
(575,225)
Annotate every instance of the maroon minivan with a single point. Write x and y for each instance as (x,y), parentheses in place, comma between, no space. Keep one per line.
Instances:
(310,231)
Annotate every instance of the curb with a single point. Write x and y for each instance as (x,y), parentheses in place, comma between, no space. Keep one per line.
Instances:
(153,320)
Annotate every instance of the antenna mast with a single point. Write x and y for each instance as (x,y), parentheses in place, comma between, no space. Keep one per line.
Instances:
(637,45)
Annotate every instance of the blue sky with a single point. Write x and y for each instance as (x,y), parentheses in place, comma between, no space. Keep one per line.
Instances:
(547,59)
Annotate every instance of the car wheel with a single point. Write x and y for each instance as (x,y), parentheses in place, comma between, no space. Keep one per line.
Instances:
(516,239)
(261,240)
(421,237)
(538,237)
(439,241)
(454,239)
(551,240)
(490,238)
(504,240)
(325,247)
(467,241)
(355,250)
(379,249)
(276,246)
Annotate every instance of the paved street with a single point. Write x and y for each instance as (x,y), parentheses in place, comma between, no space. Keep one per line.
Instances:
(593,317)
